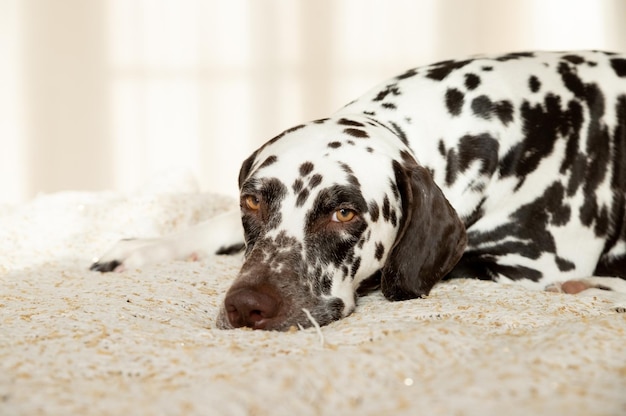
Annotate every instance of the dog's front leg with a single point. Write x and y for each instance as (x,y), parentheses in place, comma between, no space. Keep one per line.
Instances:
(222,234)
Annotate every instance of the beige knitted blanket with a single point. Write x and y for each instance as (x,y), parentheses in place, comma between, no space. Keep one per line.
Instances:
(143,342)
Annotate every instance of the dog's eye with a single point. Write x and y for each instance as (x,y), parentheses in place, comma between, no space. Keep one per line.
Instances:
(252,202)
(343,215)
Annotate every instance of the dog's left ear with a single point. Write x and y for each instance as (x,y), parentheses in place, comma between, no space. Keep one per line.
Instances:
(431,238)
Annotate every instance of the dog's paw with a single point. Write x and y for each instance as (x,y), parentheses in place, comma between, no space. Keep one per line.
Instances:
(610,289)
(104,267)
(571,287)
(128,253)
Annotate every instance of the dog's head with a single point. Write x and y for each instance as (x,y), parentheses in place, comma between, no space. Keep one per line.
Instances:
(330,209)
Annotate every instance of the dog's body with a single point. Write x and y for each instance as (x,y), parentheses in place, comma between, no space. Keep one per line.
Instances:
(510,168)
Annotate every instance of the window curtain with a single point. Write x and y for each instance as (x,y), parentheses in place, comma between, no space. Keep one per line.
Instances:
(105,94)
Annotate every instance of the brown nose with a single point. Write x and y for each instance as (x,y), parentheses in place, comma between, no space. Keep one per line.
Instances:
(251,308)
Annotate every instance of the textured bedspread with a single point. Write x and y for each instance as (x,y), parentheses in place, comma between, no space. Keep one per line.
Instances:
(144,342)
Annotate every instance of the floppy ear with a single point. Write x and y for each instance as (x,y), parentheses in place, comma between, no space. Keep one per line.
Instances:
(431,238)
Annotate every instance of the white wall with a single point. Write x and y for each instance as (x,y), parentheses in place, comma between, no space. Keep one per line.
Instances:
(102,94)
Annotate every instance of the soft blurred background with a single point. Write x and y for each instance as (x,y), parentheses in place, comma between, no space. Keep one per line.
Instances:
(104,94)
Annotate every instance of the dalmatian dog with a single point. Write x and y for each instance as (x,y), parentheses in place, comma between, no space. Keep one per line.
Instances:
(509,168)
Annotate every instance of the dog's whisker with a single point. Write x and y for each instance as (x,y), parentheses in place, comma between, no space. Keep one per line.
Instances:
(315,325)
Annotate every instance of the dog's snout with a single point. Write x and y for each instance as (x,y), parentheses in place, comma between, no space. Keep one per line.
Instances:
(251,308)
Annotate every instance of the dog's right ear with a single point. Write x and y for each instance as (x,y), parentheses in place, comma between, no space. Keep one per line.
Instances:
(431,238)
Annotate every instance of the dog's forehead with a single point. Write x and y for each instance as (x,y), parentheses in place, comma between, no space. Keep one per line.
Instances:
(339,151)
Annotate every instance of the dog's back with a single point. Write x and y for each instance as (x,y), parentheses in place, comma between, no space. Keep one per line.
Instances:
(530,150)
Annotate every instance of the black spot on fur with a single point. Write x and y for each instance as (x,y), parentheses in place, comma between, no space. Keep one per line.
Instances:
(575,59)
(369,149)
(315,180)
(347,122)
(484,267)
(481,148)
(571,80)
(369,284)
(564,265)
(302,197)
(619,66)
(483,107)
(542,124)
(394,189)
(297,185)
(477,214)
(353,180)
(616,266)
(514,56)
(472,81)
(380,251)
(393,217)
(346,168)
(386,209)
(334,145)
(374,211)
(306,168)
(441,70)
(504,111)
(454,101)
(442,148)
(389,106)
(389,89)
(526,234)
(358,133)
(598,157)
(355,267)
(399,132)
(408,74)
(487,68)
(269,161)
(534,83)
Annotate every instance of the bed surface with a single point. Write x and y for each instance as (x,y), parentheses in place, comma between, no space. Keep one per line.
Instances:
(144,342)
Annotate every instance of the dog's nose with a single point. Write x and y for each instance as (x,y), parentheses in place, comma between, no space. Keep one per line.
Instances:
(251,308)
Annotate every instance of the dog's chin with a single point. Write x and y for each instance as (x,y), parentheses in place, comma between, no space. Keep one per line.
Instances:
(324,313)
